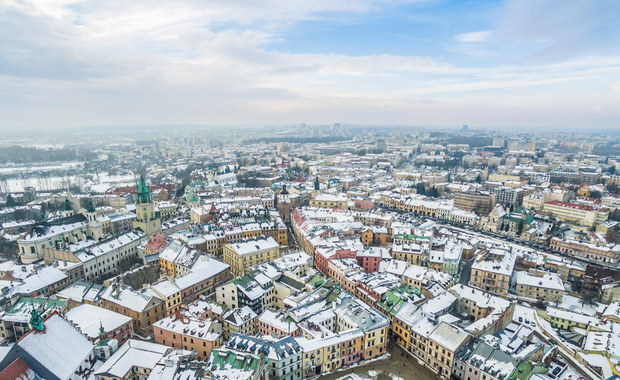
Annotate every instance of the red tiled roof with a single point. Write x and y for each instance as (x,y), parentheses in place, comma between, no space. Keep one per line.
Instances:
(157,242)
(571,205)
(18,370)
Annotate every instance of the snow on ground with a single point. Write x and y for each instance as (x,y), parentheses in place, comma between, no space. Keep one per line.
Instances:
(575,305)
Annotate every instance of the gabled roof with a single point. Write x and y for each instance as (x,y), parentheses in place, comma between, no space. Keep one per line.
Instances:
(18,370)
(60,348)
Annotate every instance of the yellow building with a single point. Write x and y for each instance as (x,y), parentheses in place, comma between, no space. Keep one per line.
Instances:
(566,320)
(545,287)
(244,254)
(174,253)
(444,342)
(411,253)
(581,214)
(170,293)
(492,270)
(329,354)
(329,201)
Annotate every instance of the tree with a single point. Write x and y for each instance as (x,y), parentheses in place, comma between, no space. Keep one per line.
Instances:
(596,195)
(520,228)
(420,189)
(10,202)
(8,249)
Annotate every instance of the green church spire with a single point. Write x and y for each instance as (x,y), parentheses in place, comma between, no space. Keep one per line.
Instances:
(90,207)
(144,196)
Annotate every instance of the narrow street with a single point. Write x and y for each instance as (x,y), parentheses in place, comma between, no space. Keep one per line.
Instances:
(466,272)
(400,365)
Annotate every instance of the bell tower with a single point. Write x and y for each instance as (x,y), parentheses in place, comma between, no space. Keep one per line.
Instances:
(145,210)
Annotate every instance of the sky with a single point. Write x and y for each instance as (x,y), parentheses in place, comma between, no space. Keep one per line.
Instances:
(522,63)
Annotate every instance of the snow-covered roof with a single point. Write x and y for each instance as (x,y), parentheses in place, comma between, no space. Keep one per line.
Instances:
(60,347)
(134,300)
(199,328)
(90,318)
(254,245)
(212,268)
(449,337)
(133,353)
(547,280)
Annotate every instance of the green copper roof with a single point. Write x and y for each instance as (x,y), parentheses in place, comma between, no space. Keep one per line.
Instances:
(24,303)
(410,237)
(393,300)
(192,197)
(90,207)
(222,359)
(144,196)
(317,280)
(524,370)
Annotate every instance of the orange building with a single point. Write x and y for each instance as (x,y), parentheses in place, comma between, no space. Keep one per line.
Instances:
(189,333)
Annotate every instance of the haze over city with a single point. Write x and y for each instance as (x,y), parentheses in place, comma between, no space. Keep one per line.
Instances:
(422,63)
(309,190)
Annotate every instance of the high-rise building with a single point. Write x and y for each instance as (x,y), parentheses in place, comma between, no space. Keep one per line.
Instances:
(381,146)
(480,203)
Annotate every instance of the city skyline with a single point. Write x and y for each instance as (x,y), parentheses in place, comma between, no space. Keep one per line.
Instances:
(495,64)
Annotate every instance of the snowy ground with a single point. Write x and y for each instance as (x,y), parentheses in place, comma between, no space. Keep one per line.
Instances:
(398,365)
(575,305)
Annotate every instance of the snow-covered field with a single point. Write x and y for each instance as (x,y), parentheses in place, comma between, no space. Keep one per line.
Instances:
(95,184)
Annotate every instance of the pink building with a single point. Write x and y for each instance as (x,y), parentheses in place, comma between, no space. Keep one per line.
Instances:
(280,324)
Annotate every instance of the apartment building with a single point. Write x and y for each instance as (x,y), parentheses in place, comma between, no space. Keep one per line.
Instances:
(583,215)
(145,307)
(492,270)
(244,254)
(444,342)
(543,286)
(480,203)
(189,333)
(329,201)
(416,254)
(608,253)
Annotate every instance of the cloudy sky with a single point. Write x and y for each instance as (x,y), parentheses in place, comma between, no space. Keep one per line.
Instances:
(243,62)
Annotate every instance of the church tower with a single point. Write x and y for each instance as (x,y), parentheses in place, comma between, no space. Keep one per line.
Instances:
(284,204)
(145,210)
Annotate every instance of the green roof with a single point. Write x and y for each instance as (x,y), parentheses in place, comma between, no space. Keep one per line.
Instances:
(222,359)
(144,196)
(317,280)
(25,304)
(192,197)
(291,282)
(524,370)
(410,237)
(393,300)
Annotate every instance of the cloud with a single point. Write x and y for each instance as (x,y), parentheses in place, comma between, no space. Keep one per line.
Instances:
(113,62)
(480,36)
(542,31)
